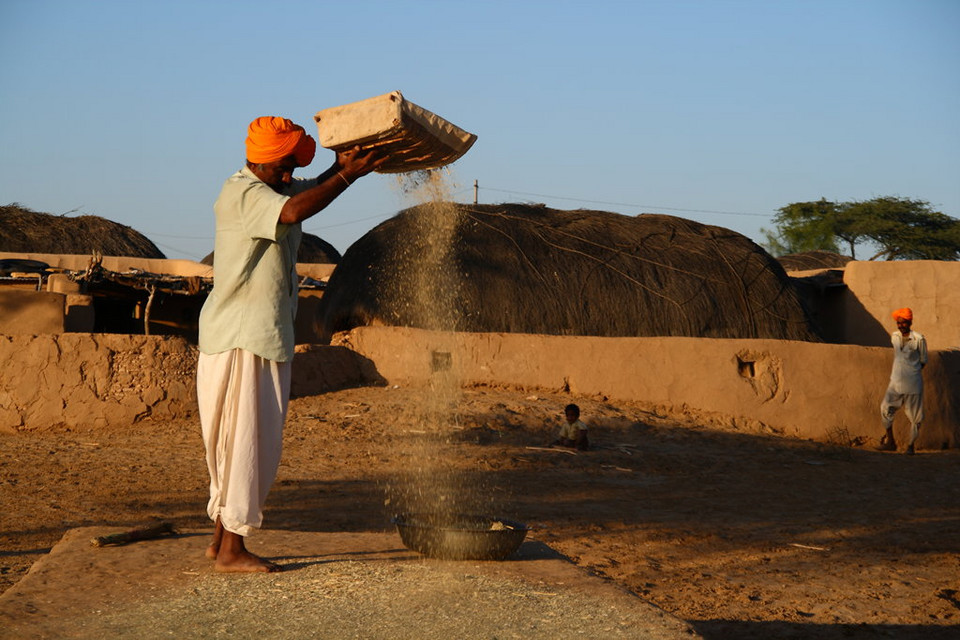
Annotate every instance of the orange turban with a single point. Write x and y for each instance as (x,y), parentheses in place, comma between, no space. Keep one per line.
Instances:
(904,313)
(271,138)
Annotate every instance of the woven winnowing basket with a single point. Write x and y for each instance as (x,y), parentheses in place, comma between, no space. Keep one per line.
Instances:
(411,137)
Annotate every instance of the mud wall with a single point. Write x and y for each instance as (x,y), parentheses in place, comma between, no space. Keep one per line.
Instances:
(92,380)
(820,391)
(28,311)
(122,264)
(874,289)
(33,311)
(117,263)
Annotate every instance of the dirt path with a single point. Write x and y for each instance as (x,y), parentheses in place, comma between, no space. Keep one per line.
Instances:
(742,535)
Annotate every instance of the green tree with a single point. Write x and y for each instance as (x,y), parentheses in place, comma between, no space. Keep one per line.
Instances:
(899,228)
(905,229)
(802,226)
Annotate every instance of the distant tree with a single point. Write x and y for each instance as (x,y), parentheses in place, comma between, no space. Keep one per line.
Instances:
(850,226)
(801,227)
(901,228)
(905,229)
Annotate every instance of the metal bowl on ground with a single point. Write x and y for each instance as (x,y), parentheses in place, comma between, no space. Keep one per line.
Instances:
(458,536)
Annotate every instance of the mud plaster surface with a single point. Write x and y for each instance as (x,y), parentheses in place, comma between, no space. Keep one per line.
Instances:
(739,534)
(335,585)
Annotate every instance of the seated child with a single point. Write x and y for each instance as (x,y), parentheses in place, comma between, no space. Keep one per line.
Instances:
(573,433)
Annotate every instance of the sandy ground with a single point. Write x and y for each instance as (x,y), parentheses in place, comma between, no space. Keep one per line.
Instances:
(363,586)
(742,535)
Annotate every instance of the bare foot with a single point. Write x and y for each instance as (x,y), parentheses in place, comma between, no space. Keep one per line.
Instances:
(245,562)
(214,548)
(232,555)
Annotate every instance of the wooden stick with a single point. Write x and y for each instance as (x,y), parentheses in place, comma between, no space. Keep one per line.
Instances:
(807,546)
(555,450)
(134,535)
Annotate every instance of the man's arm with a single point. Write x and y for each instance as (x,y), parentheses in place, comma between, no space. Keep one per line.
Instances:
(349,166)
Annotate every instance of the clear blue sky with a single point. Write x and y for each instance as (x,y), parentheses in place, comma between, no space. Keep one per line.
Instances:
(720,111)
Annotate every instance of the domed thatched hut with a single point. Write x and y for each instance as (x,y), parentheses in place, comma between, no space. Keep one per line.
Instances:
(313,250)
(26,231)
(316,250)
(530,269)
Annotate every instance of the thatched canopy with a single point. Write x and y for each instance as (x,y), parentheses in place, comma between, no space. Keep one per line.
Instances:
(809,260)
(316,250)
(26,231)
(530,269)
(313,250)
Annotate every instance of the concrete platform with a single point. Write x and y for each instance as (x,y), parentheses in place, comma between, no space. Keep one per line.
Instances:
(334,585)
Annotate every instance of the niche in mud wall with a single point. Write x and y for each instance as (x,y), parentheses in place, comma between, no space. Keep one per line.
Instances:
(440,361)
(763,371)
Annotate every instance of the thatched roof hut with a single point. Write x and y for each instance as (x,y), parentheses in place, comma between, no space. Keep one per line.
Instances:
(26,231)
(810,260)
(316,250)
(531,269)
(313,250)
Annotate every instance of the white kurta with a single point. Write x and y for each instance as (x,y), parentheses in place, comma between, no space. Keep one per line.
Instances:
(909,356)
(906,381)
(253,303)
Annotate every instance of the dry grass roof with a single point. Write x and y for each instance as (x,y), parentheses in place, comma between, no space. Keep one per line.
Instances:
(530,269)
(26,231)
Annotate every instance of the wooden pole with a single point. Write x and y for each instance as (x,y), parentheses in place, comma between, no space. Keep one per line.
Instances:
(146,313)
(475,190)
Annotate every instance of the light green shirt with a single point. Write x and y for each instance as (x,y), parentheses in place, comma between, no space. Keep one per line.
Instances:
(254,299)
(570,430)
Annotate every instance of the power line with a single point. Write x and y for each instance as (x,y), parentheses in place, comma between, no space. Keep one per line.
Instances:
(195,257)
(167,235)
(382,216)
(354,221)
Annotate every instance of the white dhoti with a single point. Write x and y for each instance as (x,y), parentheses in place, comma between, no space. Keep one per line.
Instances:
(912,404)
(243,404)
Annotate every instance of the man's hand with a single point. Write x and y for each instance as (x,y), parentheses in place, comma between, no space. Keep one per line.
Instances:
(350,165)
(355,163)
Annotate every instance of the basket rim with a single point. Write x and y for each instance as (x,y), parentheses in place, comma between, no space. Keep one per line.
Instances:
(401,520)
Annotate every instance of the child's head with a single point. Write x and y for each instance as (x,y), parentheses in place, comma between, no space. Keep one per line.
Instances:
(572,412)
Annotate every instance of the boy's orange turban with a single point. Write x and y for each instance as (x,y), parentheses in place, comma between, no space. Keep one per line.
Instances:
(904,313)
(271,138)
